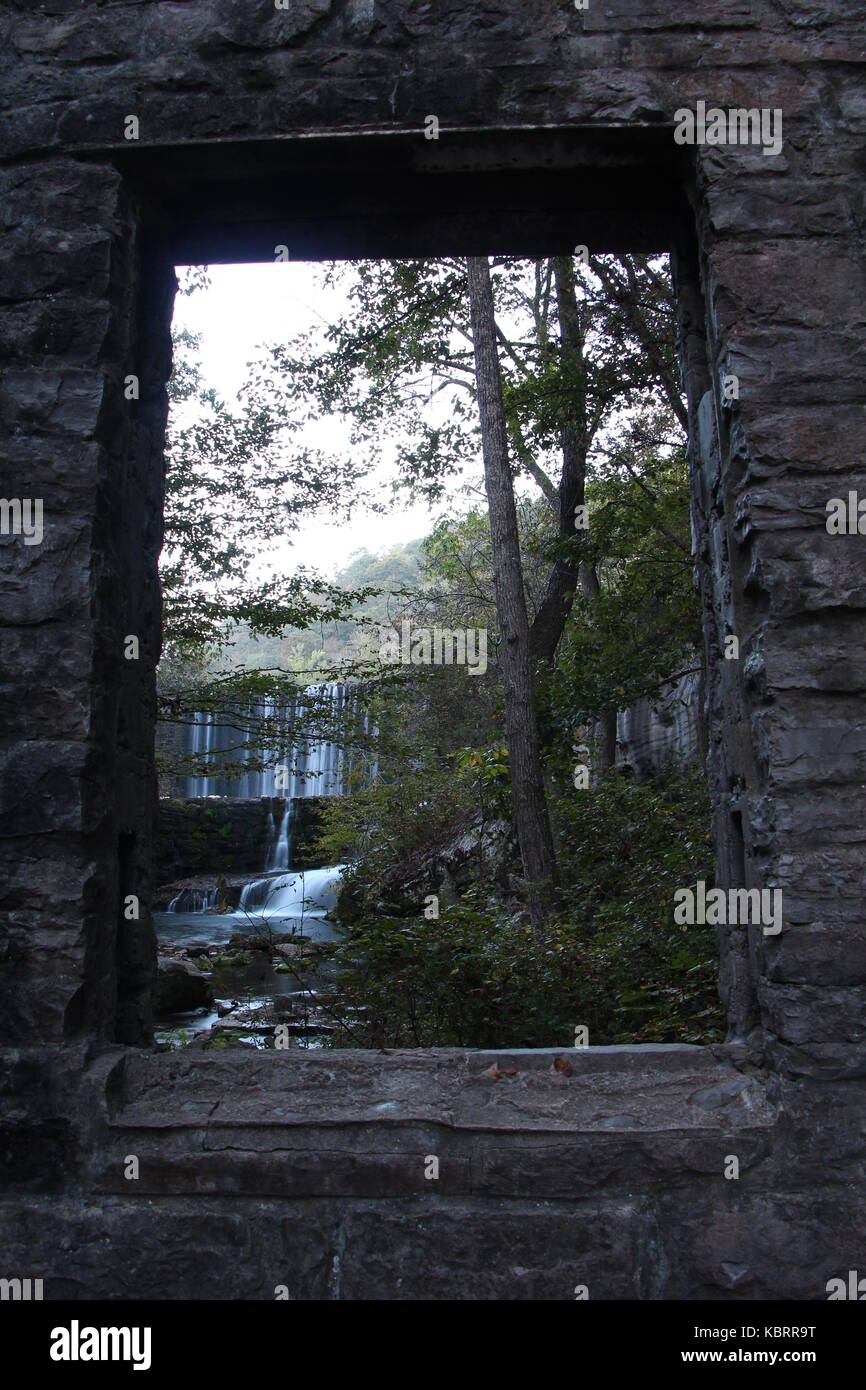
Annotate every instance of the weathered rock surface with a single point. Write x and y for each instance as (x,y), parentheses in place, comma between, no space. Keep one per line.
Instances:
(448,868)
(556,130)
(651,733)
(612,1176)
(179,986)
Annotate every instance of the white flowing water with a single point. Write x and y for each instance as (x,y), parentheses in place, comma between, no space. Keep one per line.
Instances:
(296,765)
(278,857)
(193,900)
(308,893)
(293,902)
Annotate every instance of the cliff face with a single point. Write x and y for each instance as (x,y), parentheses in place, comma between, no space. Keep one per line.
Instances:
(653,732)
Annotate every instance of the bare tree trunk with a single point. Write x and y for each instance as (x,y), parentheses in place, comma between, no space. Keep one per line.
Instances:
(521,728)
(556,605)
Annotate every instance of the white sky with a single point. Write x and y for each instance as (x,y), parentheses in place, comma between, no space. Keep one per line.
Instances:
(248,306)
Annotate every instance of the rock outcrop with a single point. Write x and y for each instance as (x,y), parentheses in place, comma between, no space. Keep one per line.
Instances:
(228,835)
(179,986)
(653,732)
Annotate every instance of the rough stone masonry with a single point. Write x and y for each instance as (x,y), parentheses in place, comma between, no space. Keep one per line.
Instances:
(256,126)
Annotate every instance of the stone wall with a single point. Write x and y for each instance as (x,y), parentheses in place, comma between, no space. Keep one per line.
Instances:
(305,127)
(308,1171)
(227,835)
(210,836)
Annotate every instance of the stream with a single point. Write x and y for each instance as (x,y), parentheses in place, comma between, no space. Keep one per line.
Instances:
(260,960)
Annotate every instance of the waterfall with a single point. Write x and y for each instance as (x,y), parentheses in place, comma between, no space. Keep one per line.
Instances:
(194,900)
(268,750)
(279,858)
(254,894)
(303,892)
(314,768)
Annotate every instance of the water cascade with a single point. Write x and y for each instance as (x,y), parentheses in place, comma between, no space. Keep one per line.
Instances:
(193,900)
(265,733)
(278,858)
(299,893)
(315,763)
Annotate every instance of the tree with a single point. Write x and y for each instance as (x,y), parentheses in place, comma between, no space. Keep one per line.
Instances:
(579,351)
(521,727)
(239,481)
(578,346)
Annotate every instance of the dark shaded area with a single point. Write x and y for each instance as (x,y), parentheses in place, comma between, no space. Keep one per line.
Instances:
(309,1171)
(521,192)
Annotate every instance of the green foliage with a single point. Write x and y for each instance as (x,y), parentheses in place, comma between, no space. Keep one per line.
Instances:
(612,959)
(172,1039)
(624,848)
(417,797)
(240,480)
(486,771)
(643,626)
(380,581)
(398,370)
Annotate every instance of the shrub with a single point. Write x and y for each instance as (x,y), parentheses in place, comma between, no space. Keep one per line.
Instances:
(612,957)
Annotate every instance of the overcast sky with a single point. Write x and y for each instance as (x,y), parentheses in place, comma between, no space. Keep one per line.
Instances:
(251,305)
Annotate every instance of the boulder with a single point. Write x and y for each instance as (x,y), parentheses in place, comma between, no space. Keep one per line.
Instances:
(446,869)
(179,987)
(292,950)
(254,941)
